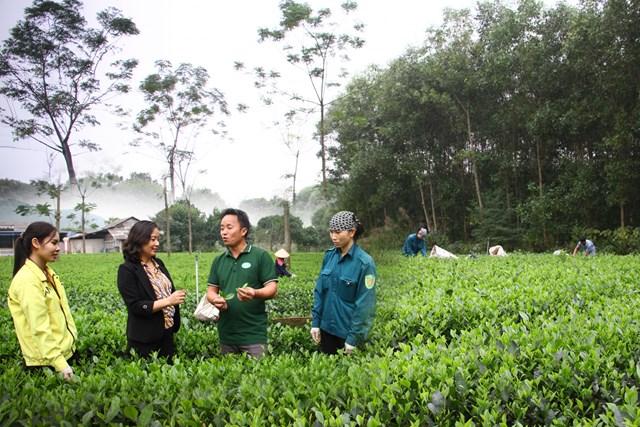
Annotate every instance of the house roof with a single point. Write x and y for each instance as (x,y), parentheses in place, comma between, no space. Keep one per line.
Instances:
(117,233)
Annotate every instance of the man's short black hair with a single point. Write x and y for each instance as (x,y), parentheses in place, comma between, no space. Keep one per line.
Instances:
(242,216)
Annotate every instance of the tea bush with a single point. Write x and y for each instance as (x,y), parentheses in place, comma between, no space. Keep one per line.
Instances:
(521,340)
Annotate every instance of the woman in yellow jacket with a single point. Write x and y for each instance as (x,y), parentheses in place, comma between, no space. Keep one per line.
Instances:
(38,303)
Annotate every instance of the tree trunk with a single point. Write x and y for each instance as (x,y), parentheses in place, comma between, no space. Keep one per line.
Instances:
(476,181)
(323,155)
(172,172)
(545,236)
(474,169)
(58,213)
(287,231)
(167,215)
(622,213)
(433,206)
(68,158)
(424,205)
(189,225)
(295,175)
(82,222)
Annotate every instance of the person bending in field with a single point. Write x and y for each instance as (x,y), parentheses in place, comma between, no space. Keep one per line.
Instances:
(240,281)
(344,299)
(586,246)
(281,265)
(415,243)
(153,304)
(38,303)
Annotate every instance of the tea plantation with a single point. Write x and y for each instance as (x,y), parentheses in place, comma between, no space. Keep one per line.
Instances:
(521,340)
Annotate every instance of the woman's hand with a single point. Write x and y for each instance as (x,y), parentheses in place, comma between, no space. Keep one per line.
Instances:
(178,297)
(67,374)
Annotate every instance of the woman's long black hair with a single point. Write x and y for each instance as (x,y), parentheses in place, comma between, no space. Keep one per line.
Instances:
(138,236)
(23,247)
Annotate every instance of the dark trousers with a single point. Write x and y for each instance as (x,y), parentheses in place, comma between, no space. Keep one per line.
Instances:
(330,344)
(165,346)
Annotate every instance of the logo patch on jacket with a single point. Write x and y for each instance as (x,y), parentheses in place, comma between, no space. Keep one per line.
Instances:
(246,265)
(369,281)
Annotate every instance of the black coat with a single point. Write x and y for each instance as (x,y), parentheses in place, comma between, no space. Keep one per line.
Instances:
(138,295)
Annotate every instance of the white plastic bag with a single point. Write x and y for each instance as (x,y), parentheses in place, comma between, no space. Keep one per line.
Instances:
(205,311)
(497,251)
(438,252)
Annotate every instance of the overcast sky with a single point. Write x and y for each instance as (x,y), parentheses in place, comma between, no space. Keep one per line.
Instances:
(213,34)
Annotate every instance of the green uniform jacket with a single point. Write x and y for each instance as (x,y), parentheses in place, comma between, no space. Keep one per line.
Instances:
(42,318)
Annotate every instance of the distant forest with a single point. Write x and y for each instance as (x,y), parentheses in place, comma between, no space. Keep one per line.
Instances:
(512,124)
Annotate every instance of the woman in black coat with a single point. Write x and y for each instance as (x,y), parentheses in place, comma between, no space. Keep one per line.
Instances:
(153,304)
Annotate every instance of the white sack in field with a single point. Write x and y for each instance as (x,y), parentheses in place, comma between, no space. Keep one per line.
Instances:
(497,251)
(438,252)
(558,252)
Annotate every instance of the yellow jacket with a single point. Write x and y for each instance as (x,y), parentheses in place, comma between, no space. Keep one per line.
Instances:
(41,316)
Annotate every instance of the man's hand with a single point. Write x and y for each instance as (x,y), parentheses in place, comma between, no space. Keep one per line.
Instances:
(315,335)
(246,293)
(220,303)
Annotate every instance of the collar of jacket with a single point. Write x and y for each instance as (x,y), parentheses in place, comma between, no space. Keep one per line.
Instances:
(36,271)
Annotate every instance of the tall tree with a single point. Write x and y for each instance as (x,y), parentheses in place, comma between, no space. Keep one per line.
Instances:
(179,102)
(51,65)
(311,41)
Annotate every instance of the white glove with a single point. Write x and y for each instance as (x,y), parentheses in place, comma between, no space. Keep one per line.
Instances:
(67,373)
(348,349)
(315,335)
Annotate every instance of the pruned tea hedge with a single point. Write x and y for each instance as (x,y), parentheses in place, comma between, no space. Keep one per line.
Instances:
(520,340)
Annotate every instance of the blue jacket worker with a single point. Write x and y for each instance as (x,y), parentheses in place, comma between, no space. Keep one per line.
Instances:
(415,244)
(586,246)
(344,299)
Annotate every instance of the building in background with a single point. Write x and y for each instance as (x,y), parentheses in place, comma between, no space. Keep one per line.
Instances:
(10,231)
(107,239)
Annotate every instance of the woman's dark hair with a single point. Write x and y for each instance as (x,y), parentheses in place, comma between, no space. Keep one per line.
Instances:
(22,248)
(139,235)
(243,218)
(359,227)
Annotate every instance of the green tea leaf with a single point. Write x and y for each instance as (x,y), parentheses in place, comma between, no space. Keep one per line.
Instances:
(131,412)
(225,296)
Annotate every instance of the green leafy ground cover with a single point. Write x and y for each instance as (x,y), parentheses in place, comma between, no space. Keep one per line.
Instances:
(522,340)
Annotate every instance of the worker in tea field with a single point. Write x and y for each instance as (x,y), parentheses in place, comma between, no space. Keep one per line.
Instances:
(415,243)
(281,265)
(344,298)
(153,303)
(586,246)
(39,305)
(240,281)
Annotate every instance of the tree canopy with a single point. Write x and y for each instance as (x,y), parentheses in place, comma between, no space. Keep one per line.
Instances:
(516,123)
(51,67)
